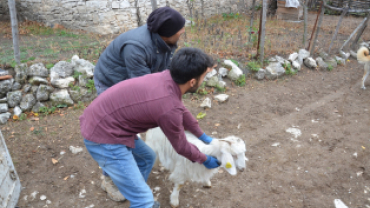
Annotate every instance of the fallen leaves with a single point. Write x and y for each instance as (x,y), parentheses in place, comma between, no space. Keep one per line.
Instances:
(32,128)
(201,115)
(54,161)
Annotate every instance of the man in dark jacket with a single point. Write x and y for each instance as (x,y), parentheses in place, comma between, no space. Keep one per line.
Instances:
(144,50)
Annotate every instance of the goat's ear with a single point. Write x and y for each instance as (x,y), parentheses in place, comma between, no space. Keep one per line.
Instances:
(227,162)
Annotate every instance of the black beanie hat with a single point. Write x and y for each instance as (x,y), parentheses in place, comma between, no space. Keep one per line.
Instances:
(165,21)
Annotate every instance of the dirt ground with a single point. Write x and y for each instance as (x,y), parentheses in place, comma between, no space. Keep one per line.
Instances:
(328,161)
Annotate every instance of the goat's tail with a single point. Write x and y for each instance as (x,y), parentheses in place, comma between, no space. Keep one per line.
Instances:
(363,54)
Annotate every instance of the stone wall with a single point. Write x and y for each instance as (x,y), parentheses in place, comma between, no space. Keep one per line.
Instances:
(116,16)
(4,10)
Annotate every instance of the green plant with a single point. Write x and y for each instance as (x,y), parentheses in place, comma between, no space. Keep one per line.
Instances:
(62,105)
(235,62)
(288,69)
(37,132)
(240,81)
(253,66)
(22,117)
(49,66)
(80,105)
(220,88)
(187,44)
(229,16)
(76,88)
(90,85)
(76,74)
(46,111)
(330,67)
(202,89)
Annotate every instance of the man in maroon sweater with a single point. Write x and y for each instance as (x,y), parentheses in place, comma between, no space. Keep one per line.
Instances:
(112,121)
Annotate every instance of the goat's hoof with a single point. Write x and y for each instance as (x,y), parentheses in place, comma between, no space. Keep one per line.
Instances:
(364,88)
(174,206)
(207,186)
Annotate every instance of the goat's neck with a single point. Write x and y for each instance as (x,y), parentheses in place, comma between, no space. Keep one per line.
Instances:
(214,148)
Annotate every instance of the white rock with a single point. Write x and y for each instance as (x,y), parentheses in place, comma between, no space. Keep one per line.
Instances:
(62,83)
(156,189)
(339,204)
(280,59)
(275,144)
(74,58)
(223,71)
(340,60)
(221,97)
(82,194)
(260,74)
(344,55)
(206,103)
(303,53)
(293,57)
(296,65)
(209,75)
(33,195)
(48,202)
(295,131)
(84,67)
(235,71)
(42,197)
(75,150)
(222,84)
(310,63)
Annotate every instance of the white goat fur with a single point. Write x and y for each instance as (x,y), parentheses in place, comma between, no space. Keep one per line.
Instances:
(229,150)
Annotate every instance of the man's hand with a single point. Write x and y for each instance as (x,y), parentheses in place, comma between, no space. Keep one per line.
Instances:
(211,162)
(205,138)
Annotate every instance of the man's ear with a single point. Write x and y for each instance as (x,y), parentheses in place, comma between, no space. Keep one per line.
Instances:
(193,82)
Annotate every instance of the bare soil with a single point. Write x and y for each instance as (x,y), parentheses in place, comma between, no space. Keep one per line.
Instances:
(307,171)
(328,161)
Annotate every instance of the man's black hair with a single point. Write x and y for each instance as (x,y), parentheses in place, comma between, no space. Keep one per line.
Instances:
(189,63)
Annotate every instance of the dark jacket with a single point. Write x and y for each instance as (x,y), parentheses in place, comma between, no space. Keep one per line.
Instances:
(132,54)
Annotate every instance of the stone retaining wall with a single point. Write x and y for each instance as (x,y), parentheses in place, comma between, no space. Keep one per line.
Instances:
(4,10)
(116,16)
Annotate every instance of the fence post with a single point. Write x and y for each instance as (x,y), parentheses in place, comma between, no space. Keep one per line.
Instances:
(261,35)
(15,32)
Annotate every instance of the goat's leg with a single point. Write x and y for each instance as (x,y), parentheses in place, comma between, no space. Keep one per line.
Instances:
(174,201)
(366,74)
(207,184)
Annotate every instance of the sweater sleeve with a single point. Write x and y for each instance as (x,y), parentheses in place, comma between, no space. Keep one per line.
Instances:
(171,124)
(191,124)
(135,60)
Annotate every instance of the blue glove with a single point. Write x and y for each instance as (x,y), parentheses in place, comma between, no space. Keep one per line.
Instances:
(211,162)
(205,138)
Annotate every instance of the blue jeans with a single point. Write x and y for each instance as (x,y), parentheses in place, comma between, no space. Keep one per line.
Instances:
(129,169)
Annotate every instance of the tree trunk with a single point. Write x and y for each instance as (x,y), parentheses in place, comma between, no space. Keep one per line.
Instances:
(354,43)
(251,22)
(354,32)
(154,4)
(261,37)
(318,29)
(15,32)
(305,12)
(344,12)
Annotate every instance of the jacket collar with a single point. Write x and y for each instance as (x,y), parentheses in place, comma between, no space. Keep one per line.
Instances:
(160,45)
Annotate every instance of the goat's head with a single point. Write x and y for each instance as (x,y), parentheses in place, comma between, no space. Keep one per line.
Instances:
(232,154)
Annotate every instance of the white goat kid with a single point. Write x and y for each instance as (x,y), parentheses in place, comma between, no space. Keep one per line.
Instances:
(230,151)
